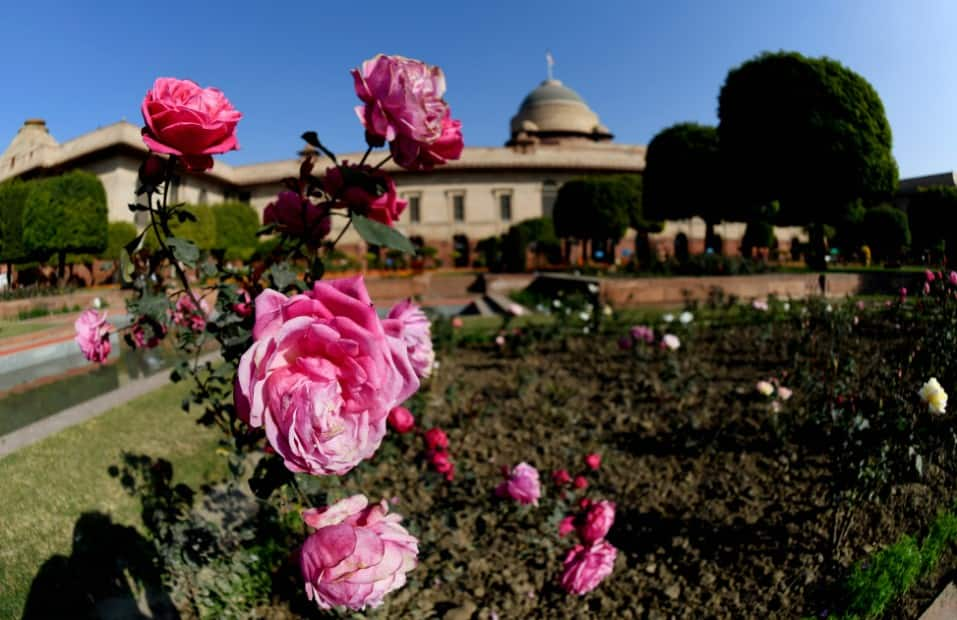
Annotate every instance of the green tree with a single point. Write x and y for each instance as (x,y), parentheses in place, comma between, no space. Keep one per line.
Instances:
(809,133)
(684,177)
(66,213)
(118,235)
(236,226)
(200,228)
(13,198)
(595,210)
(932,214)
(886,232)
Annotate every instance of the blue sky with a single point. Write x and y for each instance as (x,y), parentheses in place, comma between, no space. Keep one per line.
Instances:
(641,65)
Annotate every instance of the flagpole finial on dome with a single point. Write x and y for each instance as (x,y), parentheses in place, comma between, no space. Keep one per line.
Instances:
(549,63)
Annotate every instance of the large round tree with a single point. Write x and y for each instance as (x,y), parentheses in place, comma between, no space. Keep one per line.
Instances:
(807,132)
(684,179)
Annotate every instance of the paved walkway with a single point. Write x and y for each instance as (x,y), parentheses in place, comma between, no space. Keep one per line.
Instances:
(86,410)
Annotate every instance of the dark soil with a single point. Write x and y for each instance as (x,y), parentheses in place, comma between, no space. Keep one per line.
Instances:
(718,515)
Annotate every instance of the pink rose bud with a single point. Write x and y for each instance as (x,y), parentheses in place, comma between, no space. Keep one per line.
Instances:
(586,567)
(243,307)
(596,522)
(584,503)
(457,322)
(593,461)
(186,120)
(357,555)
(580,482)
(567,526)
(441,462)
(153,170)
(561,477)
(408,323)
(401,420)
(926,288)
(321,361)
(93,335)
(929,275)
(953,278)
(436,438)
(522,485)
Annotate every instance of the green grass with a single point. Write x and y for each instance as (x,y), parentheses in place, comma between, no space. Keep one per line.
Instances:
(877,582)
(8,329)
(47,486)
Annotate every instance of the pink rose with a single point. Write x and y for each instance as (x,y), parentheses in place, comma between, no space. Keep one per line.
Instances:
(596,522)
(435,438)
(402,97)
(567,526)
(297,216)
(521,484)
(385,208)
(561,477)
(926,288)
(580,482)
(953,278)
(407,322)
(442,463)
(187,315)
(586,567)
(414,155)
(401,420)
(243,307)
(593,461)
(457,322)
(93,335)
(357,555)
(903,292)
(322,376)
(929,275)
(186,120)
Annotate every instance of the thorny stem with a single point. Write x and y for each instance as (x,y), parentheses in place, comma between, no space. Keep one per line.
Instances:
(365,156)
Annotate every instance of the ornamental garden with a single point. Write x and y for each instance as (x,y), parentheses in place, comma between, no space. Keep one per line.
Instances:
(318,455)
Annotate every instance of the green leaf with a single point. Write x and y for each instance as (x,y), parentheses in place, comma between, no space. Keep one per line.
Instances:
(377,233)
(184,250)
(282,276)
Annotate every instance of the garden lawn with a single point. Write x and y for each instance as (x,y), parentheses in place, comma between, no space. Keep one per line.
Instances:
(9,329)
(47,486)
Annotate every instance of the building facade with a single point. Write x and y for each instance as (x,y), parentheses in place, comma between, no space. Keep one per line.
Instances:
(555,136)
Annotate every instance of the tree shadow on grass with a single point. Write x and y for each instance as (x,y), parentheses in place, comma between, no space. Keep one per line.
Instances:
(112,572)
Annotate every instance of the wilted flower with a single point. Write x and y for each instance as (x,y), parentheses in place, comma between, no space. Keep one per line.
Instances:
(934,395)
(93,335)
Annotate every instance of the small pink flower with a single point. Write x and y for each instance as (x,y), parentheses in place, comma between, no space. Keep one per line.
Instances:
(929,275)
(442,463)
(407,322)
(784,393)
(953,278)
(146,333)
(522,485)
(580,482)
(435,438)
(670,342)
(596,522)
(457,322)
(93,335)
(188,315)
(643,333)
(586,567)
(186,120)
(244,306)
(401,420)
(500,340)
(593,461)
(903,292)
(357,555)
(584,503)
(927,288)
(567,526)
(561,477)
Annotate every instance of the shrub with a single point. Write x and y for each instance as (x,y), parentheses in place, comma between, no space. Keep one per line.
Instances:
(65,214)
(236,226)
(118,235)
(13,197)
(886,231)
